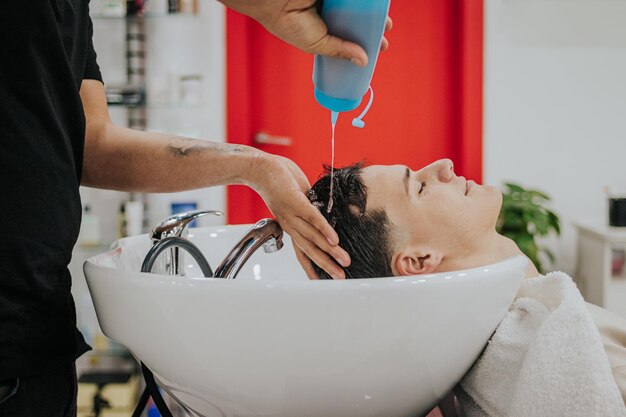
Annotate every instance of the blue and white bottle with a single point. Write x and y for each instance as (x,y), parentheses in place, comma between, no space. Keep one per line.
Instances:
(339,84)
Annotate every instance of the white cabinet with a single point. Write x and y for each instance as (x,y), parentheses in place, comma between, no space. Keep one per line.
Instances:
(600,272)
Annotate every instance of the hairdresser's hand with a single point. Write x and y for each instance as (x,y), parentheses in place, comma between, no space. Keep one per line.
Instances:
(282,185)
(297,23)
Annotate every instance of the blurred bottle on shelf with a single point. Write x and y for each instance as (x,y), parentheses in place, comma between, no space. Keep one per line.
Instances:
(172,6)
(134,217)
(191,89)
(135,7)
(121,222)
(618,259)
(109,8)
(188,6)
(156,7)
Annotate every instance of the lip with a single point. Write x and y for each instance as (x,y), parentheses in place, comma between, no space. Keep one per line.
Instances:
(468,186)
(462,180)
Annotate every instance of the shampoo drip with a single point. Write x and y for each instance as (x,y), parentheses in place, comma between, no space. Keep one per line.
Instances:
(333,122)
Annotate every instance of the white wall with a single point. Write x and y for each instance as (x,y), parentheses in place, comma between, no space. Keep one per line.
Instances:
(555,103)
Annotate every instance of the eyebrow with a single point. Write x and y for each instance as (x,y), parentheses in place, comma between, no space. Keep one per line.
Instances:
(407,174)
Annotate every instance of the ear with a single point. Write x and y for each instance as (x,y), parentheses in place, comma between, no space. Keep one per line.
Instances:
(416,263)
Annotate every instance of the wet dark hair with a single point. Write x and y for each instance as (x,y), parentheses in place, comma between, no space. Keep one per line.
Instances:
(364,235)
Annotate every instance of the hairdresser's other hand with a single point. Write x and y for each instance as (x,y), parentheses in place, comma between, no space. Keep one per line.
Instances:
(298,23)
(282,185)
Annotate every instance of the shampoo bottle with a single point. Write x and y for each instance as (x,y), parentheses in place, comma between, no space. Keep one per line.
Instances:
(339,84)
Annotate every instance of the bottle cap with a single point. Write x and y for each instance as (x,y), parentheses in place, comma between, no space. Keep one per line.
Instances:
(336,104)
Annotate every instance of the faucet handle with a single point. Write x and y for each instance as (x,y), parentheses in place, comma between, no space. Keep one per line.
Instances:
(175,224)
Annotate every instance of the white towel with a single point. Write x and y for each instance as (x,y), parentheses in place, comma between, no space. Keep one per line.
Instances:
(545,359)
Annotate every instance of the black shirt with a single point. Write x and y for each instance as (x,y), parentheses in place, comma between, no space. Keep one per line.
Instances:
(45,52)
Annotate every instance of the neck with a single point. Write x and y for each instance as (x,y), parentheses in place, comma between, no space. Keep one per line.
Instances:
(494,248)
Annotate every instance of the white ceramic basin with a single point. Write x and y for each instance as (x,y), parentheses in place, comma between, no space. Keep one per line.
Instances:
(273,343)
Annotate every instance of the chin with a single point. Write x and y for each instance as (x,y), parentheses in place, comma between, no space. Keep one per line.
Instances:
(494,191)
(495,201)
(498,193)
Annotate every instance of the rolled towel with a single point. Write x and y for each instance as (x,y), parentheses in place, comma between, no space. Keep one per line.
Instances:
(545,359)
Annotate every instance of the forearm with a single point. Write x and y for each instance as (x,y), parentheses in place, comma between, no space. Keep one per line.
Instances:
(129,160)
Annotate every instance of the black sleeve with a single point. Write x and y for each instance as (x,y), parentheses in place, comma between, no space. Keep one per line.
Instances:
(92,70)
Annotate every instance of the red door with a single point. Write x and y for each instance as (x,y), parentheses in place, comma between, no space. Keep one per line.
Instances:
(428,97)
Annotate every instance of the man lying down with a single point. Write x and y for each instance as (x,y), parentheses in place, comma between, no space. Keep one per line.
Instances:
(394,221)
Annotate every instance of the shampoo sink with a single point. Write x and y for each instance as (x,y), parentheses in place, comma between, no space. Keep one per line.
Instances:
(273,343)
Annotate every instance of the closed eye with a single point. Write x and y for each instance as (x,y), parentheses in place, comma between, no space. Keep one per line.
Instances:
(422,186)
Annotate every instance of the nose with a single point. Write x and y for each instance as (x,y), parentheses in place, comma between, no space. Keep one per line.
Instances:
(444,170)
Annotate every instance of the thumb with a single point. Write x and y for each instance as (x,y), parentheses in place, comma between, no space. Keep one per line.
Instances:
(335,47)
(319,41)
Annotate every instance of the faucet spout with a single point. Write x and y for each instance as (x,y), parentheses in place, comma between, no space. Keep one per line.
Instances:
(265,232)
(175,226)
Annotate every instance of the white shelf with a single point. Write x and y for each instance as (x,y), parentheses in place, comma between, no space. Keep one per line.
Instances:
(601,230)
(594,277)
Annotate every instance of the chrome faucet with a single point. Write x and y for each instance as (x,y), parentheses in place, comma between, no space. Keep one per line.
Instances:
(175,225)
(265,232)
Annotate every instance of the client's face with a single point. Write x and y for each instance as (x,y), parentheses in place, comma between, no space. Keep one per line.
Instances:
(432,207)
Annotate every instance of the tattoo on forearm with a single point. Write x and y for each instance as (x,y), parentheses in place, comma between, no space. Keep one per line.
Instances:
(182,147)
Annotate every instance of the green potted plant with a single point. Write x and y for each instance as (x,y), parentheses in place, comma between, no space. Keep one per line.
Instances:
(523,217)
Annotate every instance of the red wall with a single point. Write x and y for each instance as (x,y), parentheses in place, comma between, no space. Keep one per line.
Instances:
(428,104)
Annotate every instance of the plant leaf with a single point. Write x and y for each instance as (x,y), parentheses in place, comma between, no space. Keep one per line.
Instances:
(524,216)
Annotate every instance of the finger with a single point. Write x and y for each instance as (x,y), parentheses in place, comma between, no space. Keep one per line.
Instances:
(321,258)
(384,44)
(307,231)
(388,24)
(315,218)
(338,48)
(305,262)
